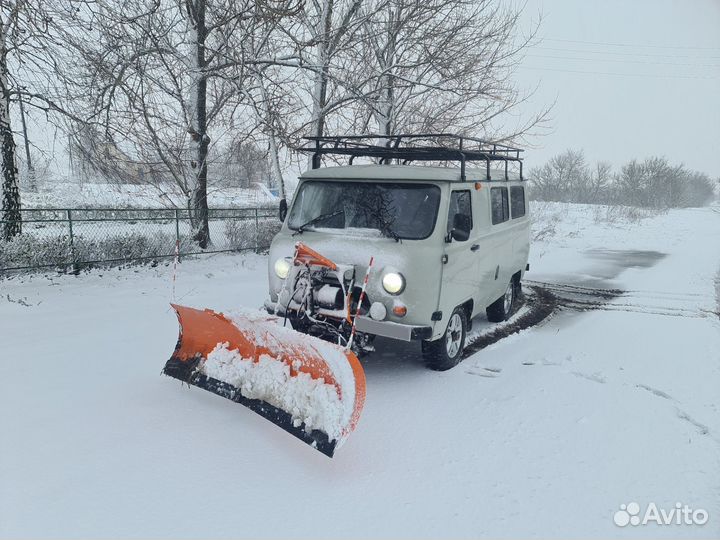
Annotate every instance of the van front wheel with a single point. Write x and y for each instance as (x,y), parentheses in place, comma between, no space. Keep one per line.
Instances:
(446,352)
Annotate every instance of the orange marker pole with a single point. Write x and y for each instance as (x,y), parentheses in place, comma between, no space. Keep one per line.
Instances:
(360,300)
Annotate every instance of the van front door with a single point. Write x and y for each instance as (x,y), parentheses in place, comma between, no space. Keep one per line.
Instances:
(460,280)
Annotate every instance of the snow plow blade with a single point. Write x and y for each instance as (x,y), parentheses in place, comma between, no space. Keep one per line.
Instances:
(313,389)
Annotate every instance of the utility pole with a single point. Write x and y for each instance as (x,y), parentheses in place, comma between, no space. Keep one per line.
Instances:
(70,157)
(32,182)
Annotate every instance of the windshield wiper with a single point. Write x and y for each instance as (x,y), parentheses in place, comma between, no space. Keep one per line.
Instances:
(387,230)
(316,220)
(386,226)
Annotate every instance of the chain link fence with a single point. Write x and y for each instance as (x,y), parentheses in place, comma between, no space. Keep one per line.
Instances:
(73,238)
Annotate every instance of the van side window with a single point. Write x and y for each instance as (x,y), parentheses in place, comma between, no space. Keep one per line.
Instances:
(460,205)
(517,201)
(499,202)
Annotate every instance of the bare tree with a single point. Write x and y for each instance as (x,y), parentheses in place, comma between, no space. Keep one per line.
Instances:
(30,75)
(290,99)
(651,183)
(698,189)
(444,65)
(332,26)
(241,164)
(269,111)
(599,179)
(274,104)
(324,35)
(405,65)
(42,165)
(559,179)
(168,82)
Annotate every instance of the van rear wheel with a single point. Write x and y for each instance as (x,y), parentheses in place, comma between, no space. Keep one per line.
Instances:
(446,352)
(502,308)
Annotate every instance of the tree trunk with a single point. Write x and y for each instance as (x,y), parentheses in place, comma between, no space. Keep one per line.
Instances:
(275,169)
(198,123)
(10,193)
(319,96)
(386,107)
(275,166)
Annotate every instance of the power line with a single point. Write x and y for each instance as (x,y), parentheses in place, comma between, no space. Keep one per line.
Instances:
(623,61)
(634,45)
(614,53)
(620,74)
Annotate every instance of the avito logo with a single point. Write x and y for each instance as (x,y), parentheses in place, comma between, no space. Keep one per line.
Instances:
(680,514)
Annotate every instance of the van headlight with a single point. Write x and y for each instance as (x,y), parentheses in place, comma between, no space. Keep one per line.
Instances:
(282,268)
(393,282)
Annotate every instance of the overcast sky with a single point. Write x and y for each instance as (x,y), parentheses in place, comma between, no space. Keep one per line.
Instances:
(632,78)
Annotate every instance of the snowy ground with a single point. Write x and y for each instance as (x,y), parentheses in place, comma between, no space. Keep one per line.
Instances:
(544,433)
(59,194)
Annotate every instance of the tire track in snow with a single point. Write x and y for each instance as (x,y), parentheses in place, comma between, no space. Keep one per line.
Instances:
(543,299)
(540,303)
(702,428)
(586,298)
(655,391)
(717,293)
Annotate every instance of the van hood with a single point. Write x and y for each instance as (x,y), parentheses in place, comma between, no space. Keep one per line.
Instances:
(345,249)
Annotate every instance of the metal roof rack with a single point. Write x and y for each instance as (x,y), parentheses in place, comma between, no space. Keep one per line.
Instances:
(415,147)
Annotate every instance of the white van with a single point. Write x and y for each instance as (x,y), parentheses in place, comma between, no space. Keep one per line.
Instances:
(448,242)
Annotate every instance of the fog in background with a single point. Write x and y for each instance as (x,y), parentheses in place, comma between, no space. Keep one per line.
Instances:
(632,79)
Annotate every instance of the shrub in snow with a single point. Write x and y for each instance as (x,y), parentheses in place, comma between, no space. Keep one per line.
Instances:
(268,228)
(239,234)
(127,246)
(242,234)
(26,250)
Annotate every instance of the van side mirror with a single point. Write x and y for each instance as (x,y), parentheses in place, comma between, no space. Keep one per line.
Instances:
(282,213)
(461,228)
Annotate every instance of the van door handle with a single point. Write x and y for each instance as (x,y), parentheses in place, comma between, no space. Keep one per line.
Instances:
(474,247)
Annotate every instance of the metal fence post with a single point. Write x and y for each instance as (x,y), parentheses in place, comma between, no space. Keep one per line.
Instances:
(75,267)
(177,234)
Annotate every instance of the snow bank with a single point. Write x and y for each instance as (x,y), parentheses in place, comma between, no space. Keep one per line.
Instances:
(355,232)
(334,356)
(309,401)
(251,322)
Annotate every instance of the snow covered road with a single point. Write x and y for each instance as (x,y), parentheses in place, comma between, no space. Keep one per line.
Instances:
(544,433)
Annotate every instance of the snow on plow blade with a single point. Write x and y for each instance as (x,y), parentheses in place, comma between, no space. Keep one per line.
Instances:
(312,389)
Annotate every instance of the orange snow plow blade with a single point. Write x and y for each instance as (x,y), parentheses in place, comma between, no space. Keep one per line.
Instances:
(312,389)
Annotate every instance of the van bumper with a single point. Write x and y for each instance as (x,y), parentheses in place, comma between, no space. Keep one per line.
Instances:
(393,330)
(388,329)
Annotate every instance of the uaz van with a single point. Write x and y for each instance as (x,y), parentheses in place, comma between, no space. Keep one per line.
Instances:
(448,241)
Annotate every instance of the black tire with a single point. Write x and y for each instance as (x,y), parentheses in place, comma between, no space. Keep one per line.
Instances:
(502,308)
(445,353)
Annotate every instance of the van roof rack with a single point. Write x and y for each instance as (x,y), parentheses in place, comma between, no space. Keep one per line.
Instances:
(415,147)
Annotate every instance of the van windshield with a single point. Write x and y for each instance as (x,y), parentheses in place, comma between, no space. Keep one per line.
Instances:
(396,210)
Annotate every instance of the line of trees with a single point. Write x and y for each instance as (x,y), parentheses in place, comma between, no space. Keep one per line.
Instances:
(174,83)
(651,183)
